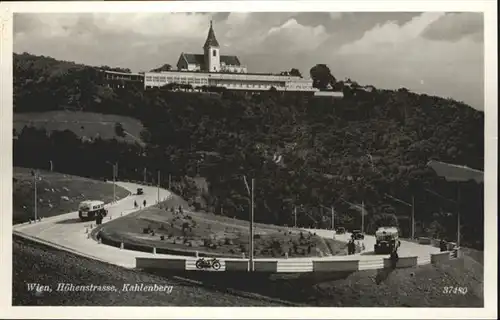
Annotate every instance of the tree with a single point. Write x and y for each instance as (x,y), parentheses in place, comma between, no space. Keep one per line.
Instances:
(165,67)
(295,72)
(322,77)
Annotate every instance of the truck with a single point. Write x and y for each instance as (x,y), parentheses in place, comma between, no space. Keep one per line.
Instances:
(89,209)
(387,240)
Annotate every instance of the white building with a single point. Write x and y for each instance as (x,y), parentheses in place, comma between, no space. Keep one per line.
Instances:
(213,69)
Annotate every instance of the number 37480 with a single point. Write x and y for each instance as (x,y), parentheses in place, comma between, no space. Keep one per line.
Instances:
(455,290)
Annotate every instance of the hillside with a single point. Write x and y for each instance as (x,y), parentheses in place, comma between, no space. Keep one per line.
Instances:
(85,124)
(57,193)
(360,148)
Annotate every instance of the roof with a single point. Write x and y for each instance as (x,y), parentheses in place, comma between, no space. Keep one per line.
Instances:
(387,231)
(453,172)
(199,59)
(192,58)
(92,202)
(123,73)
(211,40)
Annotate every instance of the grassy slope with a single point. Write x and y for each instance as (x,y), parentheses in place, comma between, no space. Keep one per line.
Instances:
(86,124)
(75,188)
(273,241)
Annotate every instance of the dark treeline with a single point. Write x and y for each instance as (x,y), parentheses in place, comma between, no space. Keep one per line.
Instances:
(360,148)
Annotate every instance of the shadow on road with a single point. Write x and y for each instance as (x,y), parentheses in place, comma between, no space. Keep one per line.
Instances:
(70,221)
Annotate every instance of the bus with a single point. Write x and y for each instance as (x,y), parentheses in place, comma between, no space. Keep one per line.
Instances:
(89,209)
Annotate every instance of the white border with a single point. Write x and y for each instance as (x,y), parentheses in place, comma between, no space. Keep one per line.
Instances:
(490,259)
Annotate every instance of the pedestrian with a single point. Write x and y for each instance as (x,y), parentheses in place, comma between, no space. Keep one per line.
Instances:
(443,246)
(394,258)
(135,204)
(350,247)
(144,203)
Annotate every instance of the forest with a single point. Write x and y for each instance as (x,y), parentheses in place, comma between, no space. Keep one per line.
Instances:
(369,147)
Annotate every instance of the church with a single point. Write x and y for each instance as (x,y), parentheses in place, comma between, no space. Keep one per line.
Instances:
(210,60)
(213,69)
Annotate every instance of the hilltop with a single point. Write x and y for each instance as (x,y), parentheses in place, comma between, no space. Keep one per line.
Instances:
(369,144)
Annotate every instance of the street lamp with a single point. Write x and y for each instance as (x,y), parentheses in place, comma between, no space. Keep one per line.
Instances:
(115,173)
(412,205)
(35,175)
(361,208)
(251,195)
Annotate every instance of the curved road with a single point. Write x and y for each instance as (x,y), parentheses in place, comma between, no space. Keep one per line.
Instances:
(68,233)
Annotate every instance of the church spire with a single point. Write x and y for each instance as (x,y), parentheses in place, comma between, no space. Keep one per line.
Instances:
(211,40)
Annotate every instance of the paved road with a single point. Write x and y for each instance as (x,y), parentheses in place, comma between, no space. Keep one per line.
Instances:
(69,233)
(407,248)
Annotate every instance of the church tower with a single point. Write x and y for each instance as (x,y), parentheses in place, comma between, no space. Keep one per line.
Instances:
(211,50)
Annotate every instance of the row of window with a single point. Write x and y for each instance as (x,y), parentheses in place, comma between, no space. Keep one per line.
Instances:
(204,81)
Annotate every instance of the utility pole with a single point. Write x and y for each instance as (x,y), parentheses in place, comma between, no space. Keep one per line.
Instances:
(458,216)
(144,175)
(412,217)
(36,198)
(251,195)
(251,228)
(158,186)
(114,182)
(362,216)
(333,219)
(169,181)
(295,216)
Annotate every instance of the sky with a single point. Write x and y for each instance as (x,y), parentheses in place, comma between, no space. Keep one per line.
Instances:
(431,52)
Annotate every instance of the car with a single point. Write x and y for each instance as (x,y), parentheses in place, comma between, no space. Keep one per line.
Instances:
(140,191)
(357,235)
(340,230)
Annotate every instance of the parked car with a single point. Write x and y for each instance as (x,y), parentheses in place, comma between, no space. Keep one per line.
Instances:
(358,235)
(140,191)
(340,230)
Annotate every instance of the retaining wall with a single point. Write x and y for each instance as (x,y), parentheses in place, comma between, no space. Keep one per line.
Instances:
(441,257)
(326,266)
(281,265)
(403,262)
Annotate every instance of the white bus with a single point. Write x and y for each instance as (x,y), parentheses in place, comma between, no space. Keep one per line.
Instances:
(387,239)
(89,209)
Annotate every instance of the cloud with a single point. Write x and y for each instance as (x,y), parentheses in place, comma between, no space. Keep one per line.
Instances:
(455,26)
(395,56)
(335,15)
(390,35)
(429,52)
(293,37)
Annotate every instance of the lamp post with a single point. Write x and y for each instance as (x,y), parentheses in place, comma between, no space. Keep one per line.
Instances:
(35,176)
(251,194)
(158,186)
(115,172)
(412,205)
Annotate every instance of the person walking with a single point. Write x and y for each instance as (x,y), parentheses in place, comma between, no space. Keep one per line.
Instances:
(443,246)
(144,203)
